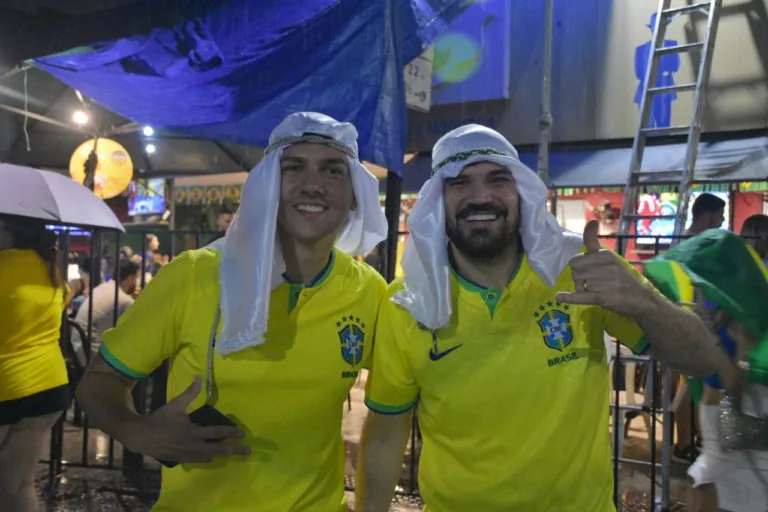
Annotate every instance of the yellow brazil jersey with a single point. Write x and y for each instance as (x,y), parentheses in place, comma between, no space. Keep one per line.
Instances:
(287,394)
(513,396)
(30,326)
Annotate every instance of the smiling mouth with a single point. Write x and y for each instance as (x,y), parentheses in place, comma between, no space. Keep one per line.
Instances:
(482,217)
(310,208)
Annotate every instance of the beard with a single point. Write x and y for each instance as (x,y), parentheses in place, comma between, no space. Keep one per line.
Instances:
(483,244)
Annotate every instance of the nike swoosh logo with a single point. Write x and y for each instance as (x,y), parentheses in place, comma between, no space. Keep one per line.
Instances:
(436,356)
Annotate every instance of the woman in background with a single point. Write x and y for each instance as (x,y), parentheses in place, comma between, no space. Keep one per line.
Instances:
(33,375)
(755,231)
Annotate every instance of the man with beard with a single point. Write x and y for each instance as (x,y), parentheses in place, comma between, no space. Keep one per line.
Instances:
(297,318)
(496,331)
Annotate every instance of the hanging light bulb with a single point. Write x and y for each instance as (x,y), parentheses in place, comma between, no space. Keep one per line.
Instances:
(79,117)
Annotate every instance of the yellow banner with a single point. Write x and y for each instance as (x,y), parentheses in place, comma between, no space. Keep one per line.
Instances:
(206,194)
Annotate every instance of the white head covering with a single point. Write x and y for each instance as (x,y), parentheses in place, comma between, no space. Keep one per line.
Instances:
(549,248)
(252,263)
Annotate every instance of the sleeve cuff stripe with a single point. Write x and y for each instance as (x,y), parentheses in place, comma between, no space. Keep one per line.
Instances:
(118,365)
(389,409)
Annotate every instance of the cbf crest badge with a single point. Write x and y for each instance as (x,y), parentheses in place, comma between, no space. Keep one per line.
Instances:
(352,338)
(555,323)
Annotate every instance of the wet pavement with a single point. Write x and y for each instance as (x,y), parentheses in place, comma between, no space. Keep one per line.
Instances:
(99,489)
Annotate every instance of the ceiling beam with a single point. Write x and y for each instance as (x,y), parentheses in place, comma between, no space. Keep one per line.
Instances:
(41,118)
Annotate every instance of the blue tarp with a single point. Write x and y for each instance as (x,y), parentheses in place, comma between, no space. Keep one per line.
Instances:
(233,71)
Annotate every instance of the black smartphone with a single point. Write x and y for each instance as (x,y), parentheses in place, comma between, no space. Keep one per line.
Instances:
(206,416)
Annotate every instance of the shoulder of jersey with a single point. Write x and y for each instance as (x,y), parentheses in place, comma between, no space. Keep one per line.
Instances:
(197,260)
(202,256)
(395,286)
(366,273)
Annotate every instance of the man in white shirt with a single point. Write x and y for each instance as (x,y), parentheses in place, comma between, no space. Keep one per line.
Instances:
(104,304)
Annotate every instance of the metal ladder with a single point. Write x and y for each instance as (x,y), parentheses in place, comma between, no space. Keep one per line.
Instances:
(637,179)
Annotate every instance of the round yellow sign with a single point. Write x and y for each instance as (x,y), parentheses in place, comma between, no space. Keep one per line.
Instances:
(113,172)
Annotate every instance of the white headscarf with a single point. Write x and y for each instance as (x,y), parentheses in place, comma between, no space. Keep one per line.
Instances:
(252,263)
(549,248)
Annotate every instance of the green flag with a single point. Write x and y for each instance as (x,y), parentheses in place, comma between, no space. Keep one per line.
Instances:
(729,274)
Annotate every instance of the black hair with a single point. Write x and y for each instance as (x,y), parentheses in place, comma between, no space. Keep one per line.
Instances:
(30,234)
(128,268)
(706,203)
(85,265)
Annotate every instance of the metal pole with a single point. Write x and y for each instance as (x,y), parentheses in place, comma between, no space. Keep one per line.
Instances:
(666,394)
(392,212)
(545,120)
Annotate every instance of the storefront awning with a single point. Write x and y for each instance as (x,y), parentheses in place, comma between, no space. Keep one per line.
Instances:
(732,161)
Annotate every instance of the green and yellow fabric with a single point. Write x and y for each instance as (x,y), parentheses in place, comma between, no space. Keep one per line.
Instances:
(730,275)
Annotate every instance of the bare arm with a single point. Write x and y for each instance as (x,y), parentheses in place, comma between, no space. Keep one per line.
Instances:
(167,434)
(382,447)
(678,337)
(105,396)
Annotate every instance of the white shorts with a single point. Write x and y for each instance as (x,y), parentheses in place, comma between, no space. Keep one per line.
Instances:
(740,477)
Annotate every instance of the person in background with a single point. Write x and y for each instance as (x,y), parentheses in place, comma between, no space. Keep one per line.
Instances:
(496,331)
(755,231)
(222,223)
(33,374)
(277,319)
(707,212)
(80,288)
(734,481)
(126,253)
(73,269)
(224,220)
(103,314)
(153,260)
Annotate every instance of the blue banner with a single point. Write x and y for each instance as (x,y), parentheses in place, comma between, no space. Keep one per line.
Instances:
(472,59)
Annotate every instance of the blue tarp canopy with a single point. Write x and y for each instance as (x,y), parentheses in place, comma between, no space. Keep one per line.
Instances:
(737,160)
(233,70)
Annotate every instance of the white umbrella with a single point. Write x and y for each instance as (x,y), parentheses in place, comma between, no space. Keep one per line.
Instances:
(45,195)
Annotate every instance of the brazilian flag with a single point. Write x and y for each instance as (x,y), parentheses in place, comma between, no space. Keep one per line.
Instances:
(729,274)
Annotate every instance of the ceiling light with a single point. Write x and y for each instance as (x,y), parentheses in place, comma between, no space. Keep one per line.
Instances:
(80,117)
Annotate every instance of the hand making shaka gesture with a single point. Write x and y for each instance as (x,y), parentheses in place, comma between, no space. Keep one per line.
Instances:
(603,279)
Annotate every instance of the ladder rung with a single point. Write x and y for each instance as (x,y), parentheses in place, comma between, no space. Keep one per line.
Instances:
(637,216)
(629,407)
(679,48)
(632,358)
(703,6)
(672,130)
(672,88)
